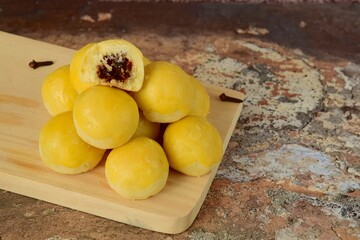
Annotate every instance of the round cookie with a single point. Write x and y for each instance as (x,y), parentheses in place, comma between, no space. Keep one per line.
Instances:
(167,93)
(138,169)
(57,93)
(62,150)
(114,62)
(105,117)
(193,145)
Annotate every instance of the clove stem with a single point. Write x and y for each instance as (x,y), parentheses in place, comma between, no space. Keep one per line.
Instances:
(226,98)
(34,64)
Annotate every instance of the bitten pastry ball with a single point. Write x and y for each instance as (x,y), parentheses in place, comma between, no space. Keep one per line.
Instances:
(105,117)
(193,145)
(115,62)
(137,170)
(58,95)
(63,150)
(167,93)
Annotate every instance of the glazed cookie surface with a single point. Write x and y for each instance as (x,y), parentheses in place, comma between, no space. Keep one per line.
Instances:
(63,150)
(105,117)
(57,93)
(193,145)
(167,93)
(137,170)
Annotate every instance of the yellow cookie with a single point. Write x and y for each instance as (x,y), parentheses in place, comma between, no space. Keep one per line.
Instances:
(57,93)
(167,93)
(137,170)
(105,117)
(63,150)
(114,62)
(193,145)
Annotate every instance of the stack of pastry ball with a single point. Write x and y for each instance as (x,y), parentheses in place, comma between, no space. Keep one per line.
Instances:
(112,98)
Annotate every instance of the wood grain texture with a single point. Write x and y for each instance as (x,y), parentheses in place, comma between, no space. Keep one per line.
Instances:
(22,114)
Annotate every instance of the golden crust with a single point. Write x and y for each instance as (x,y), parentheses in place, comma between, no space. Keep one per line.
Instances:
(63,150)
(57,93)
(137,170)
(193,145)
(167,93)
(105,117)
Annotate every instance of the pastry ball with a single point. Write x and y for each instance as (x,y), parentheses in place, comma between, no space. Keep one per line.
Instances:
(167,93)
(147,128)
(58,95)
(201,103)
(105,117)
(63,150)
(137,170)
(115,62)
(193,145)
(76,69)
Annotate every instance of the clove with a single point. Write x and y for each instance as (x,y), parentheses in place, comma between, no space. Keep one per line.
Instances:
(34,64)
(226,98)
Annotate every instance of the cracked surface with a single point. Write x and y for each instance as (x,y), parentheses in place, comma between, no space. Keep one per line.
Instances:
(292,167)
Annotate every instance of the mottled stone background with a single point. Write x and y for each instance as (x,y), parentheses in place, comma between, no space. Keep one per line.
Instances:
(292,167)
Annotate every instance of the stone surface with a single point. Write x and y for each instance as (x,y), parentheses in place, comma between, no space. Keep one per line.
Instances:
(292,167)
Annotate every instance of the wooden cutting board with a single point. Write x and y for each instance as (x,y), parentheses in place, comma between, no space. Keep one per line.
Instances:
(22,114)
